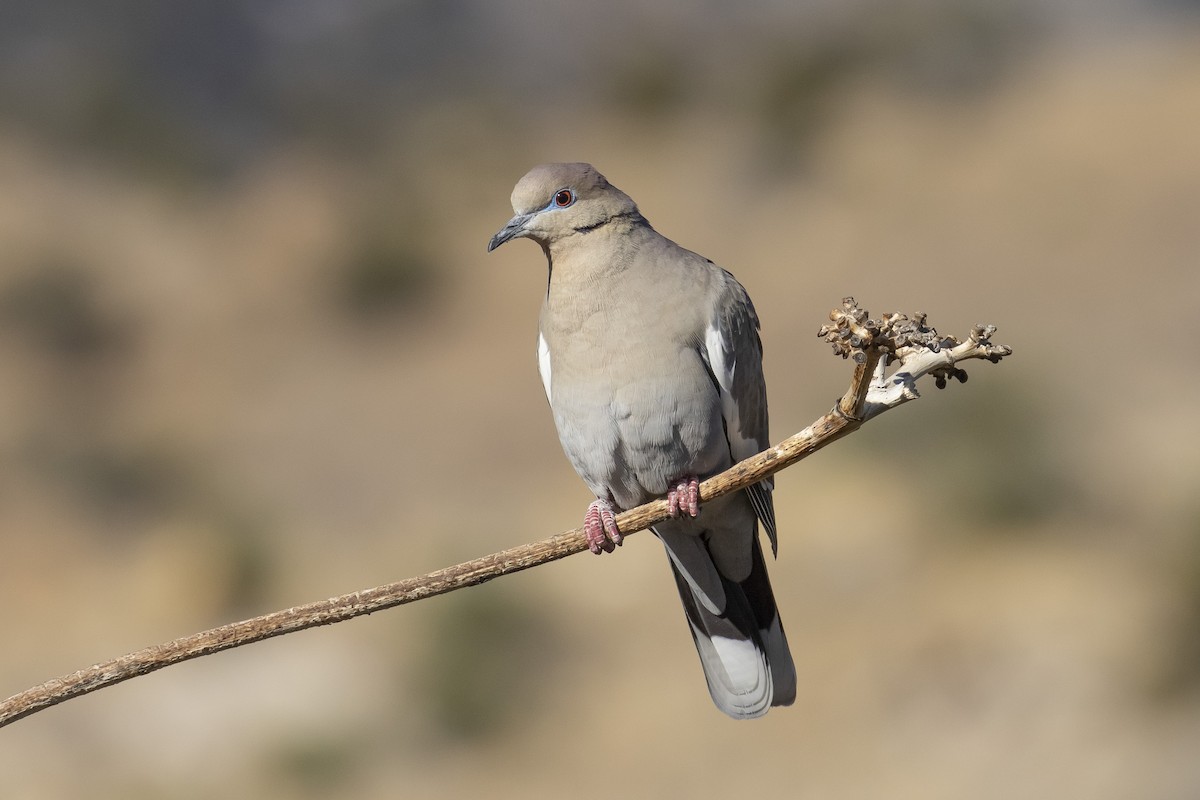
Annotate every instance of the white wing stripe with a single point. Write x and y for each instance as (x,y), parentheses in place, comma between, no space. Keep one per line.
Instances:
(739,445)
(543,356)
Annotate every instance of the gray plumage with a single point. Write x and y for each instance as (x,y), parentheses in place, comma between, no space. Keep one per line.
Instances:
(651,360)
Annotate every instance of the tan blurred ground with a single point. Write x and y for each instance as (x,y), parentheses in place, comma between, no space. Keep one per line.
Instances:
(991,594)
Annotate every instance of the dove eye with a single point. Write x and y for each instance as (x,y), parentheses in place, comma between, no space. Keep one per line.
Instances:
(564,198)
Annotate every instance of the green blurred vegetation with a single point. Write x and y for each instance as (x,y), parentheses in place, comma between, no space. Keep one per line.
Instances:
(984,457)
(54,307)
(123,481)
(651,84)
(1178,676)
(317,766)
(386,275)
(488,656)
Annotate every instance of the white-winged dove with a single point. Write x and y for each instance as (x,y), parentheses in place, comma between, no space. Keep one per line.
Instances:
(651,361)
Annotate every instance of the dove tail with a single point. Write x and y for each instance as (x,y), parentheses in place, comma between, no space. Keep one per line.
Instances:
(743,650)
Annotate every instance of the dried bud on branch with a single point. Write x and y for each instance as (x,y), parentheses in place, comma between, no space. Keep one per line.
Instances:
(909,340)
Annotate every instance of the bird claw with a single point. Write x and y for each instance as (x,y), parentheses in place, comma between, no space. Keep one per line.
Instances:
(683,497)
(600,527)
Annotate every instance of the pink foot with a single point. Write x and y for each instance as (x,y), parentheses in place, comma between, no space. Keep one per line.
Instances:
(683,496)
(600,527)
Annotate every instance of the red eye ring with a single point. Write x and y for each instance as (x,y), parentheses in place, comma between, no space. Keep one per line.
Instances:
(564,198)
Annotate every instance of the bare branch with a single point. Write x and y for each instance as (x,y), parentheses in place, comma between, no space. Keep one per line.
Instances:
(872,344)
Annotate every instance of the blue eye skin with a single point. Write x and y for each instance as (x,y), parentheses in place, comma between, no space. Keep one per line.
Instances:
(562,198)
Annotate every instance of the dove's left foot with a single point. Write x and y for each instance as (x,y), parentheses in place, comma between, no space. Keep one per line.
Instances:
(683,497)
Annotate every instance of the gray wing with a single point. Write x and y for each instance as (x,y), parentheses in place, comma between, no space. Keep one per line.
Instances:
(733,352)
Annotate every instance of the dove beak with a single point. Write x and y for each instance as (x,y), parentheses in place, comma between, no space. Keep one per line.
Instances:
(515,229)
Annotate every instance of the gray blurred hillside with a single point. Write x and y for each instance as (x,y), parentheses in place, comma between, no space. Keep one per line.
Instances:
(254,354)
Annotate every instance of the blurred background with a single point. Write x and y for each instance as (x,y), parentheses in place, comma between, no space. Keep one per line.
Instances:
(253,354)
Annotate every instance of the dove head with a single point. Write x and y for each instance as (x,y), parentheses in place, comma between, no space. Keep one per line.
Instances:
(554,201)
